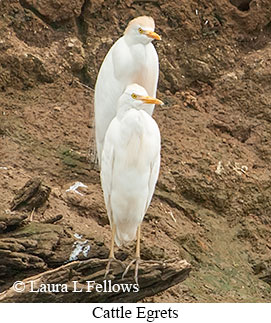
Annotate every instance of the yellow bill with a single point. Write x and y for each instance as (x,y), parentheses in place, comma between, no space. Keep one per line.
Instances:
(150,100)
(153,35)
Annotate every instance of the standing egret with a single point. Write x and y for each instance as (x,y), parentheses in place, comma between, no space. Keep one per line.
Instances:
(132,59)
(129,168)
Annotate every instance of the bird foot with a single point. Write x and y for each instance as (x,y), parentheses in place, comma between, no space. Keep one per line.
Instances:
(110,260)
(136,261)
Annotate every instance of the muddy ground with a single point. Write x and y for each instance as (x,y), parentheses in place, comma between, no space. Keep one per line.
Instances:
(212,202)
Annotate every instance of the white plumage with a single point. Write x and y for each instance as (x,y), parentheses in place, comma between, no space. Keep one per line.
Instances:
(130,165)
(132,59)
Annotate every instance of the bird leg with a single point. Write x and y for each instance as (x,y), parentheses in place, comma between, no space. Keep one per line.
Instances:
(136,260)
(111,254)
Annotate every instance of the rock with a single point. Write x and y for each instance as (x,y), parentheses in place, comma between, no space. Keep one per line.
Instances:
(76,54)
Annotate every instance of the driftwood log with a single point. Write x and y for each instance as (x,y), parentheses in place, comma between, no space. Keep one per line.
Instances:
(33,253)
(31,196)
(85,276)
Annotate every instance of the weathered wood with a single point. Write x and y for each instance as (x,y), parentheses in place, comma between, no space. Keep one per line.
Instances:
(34,247)
(9,220)
(31,196)
(53,219)
(154,277)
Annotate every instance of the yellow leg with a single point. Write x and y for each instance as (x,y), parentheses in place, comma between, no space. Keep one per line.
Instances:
(137,254)
(136,260)
(111,253)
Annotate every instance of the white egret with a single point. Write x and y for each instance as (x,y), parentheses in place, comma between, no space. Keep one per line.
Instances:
(132,59)
(130,167)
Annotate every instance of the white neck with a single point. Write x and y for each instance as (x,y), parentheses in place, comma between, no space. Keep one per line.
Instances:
(122,109)
(130,40)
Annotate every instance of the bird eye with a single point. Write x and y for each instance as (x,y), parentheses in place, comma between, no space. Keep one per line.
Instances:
(133,96)
(140,30)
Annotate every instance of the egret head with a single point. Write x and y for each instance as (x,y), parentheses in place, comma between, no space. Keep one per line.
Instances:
(141,30)
(135,96)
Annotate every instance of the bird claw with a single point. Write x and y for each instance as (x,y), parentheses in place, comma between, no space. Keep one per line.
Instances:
(110,260)
(136,261)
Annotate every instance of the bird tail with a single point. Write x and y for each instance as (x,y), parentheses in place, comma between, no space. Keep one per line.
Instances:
(125,234)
